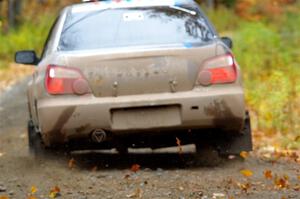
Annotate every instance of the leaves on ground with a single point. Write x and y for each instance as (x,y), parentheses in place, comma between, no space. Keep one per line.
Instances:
(94,169)
(246,172)
(244,187)
(12,74)
(297,188)
(244,154)
(273,154)
(219,196)
(281,182)
(33,190)
(4,197)
(135,168)
(138,193)
(54,192)
(178,142)
(72,163)
(268,174)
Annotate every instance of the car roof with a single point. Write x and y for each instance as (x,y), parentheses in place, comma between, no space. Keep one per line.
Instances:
(92,5)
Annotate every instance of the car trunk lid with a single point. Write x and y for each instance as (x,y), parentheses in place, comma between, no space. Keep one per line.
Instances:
(141,72)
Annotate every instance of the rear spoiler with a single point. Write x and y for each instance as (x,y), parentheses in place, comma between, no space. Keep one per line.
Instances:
(111,4)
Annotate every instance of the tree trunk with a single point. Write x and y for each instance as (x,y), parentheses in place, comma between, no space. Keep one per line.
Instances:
(14,11)
(11,13)
(210,4)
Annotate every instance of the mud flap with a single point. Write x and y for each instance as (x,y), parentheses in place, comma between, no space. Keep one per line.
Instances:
(234,145)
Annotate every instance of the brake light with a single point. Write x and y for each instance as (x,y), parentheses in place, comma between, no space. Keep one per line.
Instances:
(218,70)
(65,80)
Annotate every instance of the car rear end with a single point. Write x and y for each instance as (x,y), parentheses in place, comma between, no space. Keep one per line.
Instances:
(139,69)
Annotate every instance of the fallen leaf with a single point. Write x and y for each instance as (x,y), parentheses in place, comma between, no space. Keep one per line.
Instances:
(246,173)
(71,163)
(33,190)
(244,154)
(178,142)
(297,188)
(138,193)
(281,183)
(298,177)
(94,169)
(31,197)
(52,195)
(268,174)
(283,197)
(126,176)
(55,192)
(135,168)
(4,197)
(244,187)
(294,156)
(218,196)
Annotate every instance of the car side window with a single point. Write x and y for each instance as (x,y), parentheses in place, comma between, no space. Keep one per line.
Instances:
(46,45)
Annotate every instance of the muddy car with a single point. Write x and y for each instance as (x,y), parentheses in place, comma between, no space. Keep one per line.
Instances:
(131,74)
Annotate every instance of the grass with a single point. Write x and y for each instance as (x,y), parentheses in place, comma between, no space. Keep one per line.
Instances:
(266,49)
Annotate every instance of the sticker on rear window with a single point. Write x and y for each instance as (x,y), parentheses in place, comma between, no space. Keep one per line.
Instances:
(133,16)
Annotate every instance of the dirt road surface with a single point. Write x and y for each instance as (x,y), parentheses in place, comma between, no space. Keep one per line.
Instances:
(109,175)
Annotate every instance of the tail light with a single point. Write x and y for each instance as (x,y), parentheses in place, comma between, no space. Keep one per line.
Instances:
(218,70)
(65,80)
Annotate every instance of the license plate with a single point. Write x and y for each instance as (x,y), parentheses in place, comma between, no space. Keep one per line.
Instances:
(145,117)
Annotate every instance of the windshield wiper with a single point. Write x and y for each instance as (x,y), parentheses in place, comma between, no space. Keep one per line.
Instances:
(192,12)
(83,18)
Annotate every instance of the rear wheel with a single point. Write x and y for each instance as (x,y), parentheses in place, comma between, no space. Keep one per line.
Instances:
(235,144)
(36,147)
(207,155)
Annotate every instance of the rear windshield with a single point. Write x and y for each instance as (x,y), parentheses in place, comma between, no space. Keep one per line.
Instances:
(113,28)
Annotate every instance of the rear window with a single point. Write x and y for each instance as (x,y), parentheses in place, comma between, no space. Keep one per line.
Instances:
(113,28)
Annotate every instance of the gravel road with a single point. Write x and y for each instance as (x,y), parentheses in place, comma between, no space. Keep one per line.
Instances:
(162,174)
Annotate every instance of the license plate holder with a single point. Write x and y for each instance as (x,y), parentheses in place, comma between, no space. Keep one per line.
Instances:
(145,117)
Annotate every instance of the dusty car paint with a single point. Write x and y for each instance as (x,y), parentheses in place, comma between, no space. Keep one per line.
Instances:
(132,83)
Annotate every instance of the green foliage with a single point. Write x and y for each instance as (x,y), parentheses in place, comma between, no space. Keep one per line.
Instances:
(223,19)
(268,53)
(229,3)
(30,35)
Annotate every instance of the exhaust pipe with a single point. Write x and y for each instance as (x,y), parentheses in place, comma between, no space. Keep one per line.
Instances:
(99,136)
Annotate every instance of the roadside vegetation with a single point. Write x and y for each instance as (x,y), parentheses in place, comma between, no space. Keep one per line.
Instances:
(266,43)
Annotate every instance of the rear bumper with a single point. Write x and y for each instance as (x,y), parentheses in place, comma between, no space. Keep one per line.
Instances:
(65,117)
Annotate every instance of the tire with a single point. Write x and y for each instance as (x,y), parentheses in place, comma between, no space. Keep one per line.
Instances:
(36,147)
(242,141)
(207,155)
